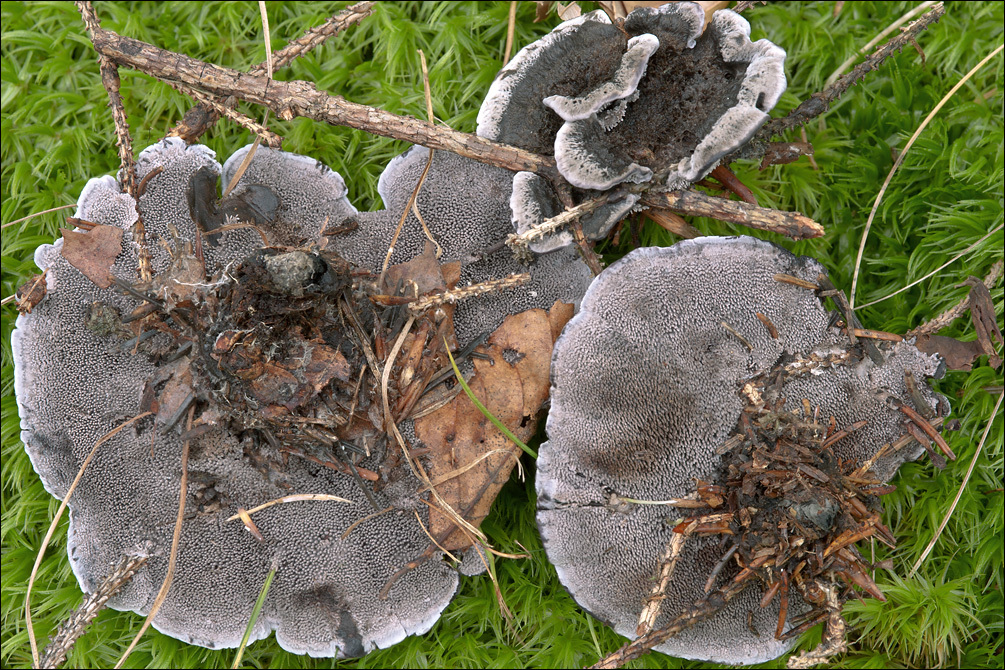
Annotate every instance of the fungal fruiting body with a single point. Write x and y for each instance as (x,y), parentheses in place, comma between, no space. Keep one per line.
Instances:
(657,96)
(685,362)
(261,341)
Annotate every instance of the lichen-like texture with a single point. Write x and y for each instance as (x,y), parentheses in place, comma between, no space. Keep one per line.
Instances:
(646,384)
(78,376)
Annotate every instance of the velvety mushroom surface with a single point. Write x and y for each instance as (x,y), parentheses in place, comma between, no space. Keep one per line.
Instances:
(646,386)
(79,373)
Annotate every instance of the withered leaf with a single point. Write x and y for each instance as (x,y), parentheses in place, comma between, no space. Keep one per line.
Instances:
(780,153)
(93,252)
(958,355)
(982,311)
(424,270)
(30,293)
(512,386)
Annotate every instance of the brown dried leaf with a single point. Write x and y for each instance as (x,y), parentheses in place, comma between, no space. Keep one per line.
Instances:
(619,10)
(424,270)
(512,386)
(568,11)
(958,355)
(30,293)
(93,252)
(541,11)
(982,311)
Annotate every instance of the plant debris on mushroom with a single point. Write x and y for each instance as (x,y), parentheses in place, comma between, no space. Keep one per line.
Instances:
(700,382)
(263,349)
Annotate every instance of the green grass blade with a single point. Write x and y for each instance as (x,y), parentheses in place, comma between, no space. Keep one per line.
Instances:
(254,616)
(481,408)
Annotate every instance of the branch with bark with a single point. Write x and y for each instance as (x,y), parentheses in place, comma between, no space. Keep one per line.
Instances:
(820,102)
(204,115)
(302,99)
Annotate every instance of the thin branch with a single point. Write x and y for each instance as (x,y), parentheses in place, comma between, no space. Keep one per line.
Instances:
(877,39)
(694,203)
(294,99)
(302,99)
(820,102)
(201,118)
(124,143)
(76,624)
(270,138)
(701,610)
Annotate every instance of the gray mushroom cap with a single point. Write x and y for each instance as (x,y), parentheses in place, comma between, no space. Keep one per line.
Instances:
(467,207)
(705,96)
(645,384)
(533,201)
(74,385)
(614,105)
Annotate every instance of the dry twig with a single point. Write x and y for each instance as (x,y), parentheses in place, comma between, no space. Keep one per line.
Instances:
(203,116)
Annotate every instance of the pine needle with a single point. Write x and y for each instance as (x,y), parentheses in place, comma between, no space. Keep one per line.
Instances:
(32,216)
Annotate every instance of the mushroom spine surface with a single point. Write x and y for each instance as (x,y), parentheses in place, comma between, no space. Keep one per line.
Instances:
(647,384)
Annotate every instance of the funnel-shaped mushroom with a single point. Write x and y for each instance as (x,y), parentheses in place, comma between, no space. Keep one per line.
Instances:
(646,386)
(80,372)
(657,95)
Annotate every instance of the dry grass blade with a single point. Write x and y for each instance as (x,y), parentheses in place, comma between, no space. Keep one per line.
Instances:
(433,539)
(510,30)
(255,612)
(959,493)
(393,429)
(175,539)
(900,159)
(258,138)
(52,528)
(296,497)
(877,39)
(412,206)
(938,269)
(32,216)
(429,113)
(446,477)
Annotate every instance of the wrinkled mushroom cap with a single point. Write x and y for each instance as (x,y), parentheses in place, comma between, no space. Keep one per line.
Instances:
(613,105)
(645,383)
(75,382)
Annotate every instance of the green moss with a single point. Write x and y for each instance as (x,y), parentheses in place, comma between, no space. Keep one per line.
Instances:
(57,133)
